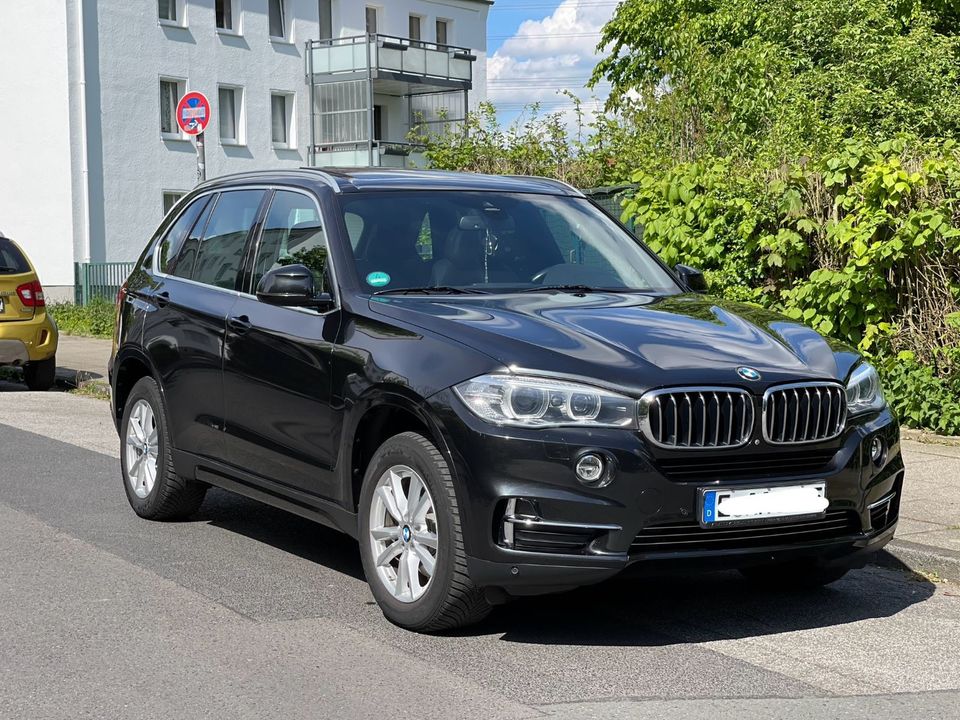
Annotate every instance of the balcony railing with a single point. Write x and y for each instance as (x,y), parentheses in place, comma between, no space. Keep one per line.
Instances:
(385,154)
(375,54)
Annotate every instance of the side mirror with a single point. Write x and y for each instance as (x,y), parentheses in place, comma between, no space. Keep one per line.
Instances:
(692,278)
(292,286)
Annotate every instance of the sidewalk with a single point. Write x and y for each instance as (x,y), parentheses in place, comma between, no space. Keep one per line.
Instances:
(82,359)
(928,536)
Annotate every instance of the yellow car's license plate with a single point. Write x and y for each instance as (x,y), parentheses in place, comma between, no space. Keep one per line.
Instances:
(2,308)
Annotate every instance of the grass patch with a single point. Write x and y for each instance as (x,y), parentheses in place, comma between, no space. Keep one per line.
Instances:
(92,389)
(95,319)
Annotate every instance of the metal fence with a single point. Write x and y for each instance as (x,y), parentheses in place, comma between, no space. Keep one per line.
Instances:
(611,200)
(99,280)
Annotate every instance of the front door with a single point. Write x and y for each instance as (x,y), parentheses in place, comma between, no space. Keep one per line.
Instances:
(277,361)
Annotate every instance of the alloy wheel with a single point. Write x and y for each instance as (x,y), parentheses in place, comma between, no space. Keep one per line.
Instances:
(403,533)
(141,448)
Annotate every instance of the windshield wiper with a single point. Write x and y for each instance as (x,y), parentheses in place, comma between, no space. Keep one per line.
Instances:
(432,290)
(576,289)
(7,268)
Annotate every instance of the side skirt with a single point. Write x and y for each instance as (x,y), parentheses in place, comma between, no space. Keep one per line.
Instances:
(266,491)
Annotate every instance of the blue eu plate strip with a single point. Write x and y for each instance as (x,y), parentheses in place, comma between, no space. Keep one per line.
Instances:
(710,506)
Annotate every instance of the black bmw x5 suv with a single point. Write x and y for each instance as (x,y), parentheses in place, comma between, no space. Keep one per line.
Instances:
(493,386)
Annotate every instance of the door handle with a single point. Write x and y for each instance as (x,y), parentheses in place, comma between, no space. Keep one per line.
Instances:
(239,324)
(162,299)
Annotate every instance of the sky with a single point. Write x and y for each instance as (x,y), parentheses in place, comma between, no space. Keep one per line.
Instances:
(536,47)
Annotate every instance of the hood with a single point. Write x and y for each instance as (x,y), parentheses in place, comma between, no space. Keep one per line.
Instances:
(631,341)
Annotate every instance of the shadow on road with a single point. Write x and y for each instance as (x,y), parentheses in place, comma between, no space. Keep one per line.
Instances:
(700,608)
(282,530)
(648,611)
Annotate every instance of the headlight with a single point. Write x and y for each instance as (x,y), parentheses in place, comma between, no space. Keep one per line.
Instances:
(863,390)
(533,402)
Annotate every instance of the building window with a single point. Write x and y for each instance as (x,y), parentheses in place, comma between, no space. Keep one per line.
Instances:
(170,198)
(170,93)
(224,10)
(281,120)
(415,21)
(443,32)
(231,115)
(167,11)
(371,20)
(326,19)
(278,19)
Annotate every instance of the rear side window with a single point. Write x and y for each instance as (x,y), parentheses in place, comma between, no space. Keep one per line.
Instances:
(221,249)
(12,261)
(172,242)
(292,233)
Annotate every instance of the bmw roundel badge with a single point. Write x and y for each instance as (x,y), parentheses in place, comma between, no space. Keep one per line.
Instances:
(748,373)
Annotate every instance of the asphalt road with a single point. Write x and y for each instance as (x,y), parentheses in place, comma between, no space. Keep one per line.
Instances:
(247,612)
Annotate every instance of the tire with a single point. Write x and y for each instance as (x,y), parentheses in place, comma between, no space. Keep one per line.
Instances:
(168,496)
(793,575)
(40,375)
(450,600)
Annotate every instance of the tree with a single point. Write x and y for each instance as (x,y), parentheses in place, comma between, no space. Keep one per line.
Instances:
(784,78)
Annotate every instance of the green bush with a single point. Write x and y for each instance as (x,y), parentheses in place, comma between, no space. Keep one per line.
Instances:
(920,397)
(863,245)
(95,319)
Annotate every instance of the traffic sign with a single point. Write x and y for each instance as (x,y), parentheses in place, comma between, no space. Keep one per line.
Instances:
(193,113)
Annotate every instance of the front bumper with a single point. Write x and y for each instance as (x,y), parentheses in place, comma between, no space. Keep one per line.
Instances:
(562,534)
(23,341)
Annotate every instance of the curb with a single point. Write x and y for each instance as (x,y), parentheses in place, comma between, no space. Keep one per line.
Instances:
(917,557)
(928,438)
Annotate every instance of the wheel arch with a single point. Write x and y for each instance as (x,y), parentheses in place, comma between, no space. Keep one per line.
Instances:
(129,367)
(378,417)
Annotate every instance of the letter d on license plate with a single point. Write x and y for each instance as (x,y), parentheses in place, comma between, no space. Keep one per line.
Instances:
(761,504)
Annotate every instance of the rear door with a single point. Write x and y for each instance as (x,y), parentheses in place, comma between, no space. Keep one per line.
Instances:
(277,362)
(193,291)
(15,272)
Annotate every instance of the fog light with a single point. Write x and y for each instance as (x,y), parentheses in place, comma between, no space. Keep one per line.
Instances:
(591,469)
(876,450)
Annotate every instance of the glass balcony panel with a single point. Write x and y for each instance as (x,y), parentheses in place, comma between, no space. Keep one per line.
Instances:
(460,69)
(436,63)
(391,59)
(415,62)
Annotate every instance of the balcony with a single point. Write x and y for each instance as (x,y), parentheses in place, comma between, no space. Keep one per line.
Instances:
(368,93)
(381,57)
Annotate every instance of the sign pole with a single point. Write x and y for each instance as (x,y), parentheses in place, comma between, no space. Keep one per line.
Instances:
(201,159)
(193,115)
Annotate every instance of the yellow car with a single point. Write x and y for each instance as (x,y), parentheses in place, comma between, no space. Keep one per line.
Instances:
(28,335)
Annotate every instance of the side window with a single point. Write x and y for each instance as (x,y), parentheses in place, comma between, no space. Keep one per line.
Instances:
(182,263)
(173,241)
(292,233)
(221,249)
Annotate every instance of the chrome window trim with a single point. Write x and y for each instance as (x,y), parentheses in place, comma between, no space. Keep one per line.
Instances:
(643,407)
(267,188)
(804,385)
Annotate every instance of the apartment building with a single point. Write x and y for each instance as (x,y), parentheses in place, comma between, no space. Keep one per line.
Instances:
(92,157)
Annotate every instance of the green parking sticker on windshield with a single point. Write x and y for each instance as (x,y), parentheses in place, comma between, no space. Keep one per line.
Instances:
(378,279)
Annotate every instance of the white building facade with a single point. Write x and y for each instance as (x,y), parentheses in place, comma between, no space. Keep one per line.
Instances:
(91,153)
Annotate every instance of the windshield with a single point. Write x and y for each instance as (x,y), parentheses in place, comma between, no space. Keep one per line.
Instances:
(494,242)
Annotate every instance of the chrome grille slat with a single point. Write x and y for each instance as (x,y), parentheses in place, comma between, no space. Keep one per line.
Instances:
(783,406)
(700,418)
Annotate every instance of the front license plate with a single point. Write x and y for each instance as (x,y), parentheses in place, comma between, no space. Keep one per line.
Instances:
(757,505)
(2,308)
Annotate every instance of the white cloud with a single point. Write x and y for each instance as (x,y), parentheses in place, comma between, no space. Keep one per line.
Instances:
(545,56)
